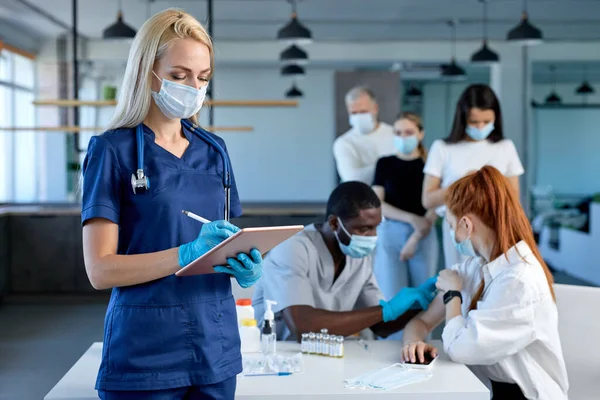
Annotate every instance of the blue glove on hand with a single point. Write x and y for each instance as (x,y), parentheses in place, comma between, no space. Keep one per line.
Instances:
(247,270)
(211,235)
(429,285)
(403,301)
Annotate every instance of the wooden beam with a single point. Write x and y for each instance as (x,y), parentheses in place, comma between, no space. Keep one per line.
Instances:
(213,103)
(76,129)
(16,50)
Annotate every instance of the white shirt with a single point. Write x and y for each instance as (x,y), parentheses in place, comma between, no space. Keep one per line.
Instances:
(450,162)
(356,154)
(300,271)
(512,336)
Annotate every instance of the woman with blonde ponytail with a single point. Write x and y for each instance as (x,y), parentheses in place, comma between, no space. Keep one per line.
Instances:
(165,336)
(407,252)
(499,305)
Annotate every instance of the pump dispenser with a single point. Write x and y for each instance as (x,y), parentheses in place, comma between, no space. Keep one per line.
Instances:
(268,335)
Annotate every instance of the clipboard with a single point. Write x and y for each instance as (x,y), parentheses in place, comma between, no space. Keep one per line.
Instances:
(263,239)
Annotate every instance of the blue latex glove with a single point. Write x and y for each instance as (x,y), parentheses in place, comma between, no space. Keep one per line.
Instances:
(403,301)
(246,269)
(211,235)
(429,285)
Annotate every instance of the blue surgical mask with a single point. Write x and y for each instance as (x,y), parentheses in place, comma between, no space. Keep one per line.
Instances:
(465,247)
(406,145)
(177,101)
(480,134)
(359,247)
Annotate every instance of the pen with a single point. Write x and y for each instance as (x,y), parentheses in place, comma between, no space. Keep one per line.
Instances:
(194,216)
(271,374)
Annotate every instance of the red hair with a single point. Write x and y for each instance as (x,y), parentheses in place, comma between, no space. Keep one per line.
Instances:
(488,195)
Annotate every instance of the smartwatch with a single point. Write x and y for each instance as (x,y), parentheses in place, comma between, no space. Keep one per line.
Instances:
(450,294)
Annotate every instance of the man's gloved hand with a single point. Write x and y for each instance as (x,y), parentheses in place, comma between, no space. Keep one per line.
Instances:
(211,235)
(429,285)
(247,270)
(403,301)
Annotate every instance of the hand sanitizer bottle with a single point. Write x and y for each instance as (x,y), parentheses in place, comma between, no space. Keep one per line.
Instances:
(268,335)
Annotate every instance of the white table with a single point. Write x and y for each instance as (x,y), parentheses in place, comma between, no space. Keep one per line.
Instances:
(322,378)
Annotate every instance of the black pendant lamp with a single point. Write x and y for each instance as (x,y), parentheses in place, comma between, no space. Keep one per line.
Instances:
(453,71)
(525,32)
(294,92)
(585,88)
(553,98)
(414,91)
(485,55)
(292,70)
(119,30)
(294,55)
(294,31)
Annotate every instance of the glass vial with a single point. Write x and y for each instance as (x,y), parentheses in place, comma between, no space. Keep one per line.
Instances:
(304,343)
(311,343)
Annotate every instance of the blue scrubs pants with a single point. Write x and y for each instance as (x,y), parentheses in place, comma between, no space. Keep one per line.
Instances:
(224,390)
(393,274)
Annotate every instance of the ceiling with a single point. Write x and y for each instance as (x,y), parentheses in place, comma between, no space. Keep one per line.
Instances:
(329,20)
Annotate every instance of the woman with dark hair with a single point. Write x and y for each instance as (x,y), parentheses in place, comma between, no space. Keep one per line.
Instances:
(476,140)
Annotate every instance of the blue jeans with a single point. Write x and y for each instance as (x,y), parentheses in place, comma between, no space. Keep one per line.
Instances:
(224,390)
(391,273)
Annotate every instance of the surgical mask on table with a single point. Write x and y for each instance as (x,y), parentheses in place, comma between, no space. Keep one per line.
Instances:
(388,378)
(480,134)
(406,145)
(359,247)
(363,122)
(178,101)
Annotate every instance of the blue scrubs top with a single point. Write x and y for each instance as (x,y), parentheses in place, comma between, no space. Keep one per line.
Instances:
(174,331)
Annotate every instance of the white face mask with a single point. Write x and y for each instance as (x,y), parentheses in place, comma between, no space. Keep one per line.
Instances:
(363,122)
(388,378)
(178,101)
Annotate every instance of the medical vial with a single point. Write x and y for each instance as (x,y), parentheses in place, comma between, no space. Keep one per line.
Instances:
(268,338)
(333,346)
(340,347)
(319,343)
(311,343)
(304,343)
(324,331)
(326,340)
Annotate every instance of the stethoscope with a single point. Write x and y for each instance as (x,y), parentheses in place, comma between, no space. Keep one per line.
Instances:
(139,180)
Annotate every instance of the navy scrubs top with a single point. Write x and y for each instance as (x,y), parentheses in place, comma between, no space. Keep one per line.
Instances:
(174,331)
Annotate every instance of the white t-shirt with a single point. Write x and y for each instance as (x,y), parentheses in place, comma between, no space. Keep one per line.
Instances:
(300,271)
(512,336)
(450,162)
(356,154)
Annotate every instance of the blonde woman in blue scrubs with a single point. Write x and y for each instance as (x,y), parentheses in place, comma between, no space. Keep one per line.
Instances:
(165,337)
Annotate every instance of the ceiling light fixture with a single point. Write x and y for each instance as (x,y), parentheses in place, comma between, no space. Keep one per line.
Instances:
(294,31)
(553,98)
(292,70)
(525,32)
(293,92)
(485,54)
(452,71)
(119,30)
(294,55)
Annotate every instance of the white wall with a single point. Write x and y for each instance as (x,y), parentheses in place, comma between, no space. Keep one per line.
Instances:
(567,143)
(288,157)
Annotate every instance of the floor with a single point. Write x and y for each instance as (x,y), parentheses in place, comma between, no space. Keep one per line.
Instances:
(41,338)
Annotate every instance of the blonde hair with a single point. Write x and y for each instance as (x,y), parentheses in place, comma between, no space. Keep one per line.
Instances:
(418,121)
(150,44)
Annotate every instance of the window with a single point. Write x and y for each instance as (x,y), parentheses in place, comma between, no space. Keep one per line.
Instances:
(18,148)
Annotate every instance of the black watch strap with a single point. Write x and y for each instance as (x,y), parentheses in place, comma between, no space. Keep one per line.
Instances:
(450,294)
